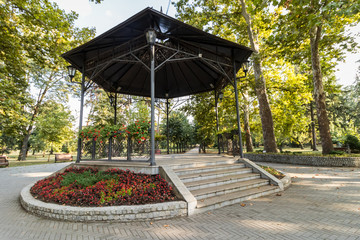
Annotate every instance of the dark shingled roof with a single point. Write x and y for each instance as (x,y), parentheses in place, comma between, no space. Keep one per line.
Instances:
(188,60)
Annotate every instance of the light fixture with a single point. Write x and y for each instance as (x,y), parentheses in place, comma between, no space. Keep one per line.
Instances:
(211,85)
(245,67)
(118,88)
(200,55)
(71,71)
(166,95)
(150,36)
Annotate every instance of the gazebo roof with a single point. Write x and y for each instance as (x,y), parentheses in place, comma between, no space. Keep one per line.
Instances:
(187,60)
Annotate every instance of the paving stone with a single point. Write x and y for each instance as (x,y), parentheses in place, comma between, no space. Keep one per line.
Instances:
(312,208)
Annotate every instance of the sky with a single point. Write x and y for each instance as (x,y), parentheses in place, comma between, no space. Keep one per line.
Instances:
(110,13)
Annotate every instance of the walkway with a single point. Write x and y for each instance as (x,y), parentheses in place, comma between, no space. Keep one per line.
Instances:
(323,203)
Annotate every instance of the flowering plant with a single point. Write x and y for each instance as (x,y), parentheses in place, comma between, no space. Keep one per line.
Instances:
(137,130)
(90,187)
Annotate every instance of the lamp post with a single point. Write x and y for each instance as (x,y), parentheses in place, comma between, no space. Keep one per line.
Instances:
(151,38)
(71,73)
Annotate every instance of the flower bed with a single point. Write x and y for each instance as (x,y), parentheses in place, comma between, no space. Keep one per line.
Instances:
(90,188)
(273,171)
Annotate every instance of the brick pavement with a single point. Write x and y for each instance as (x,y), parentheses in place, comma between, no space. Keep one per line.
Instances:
(322,203)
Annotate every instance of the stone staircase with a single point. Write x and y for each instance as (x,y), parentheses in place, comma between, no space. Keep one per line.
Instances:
(218,184)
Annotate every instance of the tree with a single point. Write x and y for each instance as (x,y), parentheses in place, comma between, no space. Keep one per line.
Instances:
(232,20)
(33,35)
(201,107)
(54,125)
(319,26)
(180,130)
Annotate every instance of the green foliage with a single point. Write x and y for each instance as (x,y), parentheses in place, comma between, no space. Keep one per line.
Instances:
(54,124)
(337,152)
(180,130)
(138,130)
(352,141)
(85,179)
(33,35)
(273,171)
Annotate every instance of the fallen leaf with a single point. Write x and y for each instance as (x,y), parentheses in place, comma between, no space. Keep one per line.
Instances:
(313,177)
(209,212)
(151,223)
(316,174)
(251,204)
(166,225)
(337,187)
(278,194)
(243,204)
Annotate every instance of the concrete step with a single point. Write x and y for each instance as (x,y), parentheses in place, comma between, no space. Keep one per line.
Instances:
(234,197)
(184,171)
(213,174)
(202,164)
(206,183)
(228,188)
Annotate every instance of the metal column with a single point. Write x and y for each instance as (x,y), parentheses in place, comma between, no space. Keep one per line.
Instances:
(167,125)
(152,138)
(78,157)
(237,110)
(217,120)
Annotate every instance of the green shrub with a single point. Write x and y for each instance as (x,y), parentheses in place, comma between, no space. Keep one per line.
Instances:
(352,141)
(337,152)
(85,179)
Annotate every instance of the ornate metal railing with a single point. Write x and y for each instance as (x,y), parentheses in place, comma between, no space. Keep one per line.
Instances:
(127,149)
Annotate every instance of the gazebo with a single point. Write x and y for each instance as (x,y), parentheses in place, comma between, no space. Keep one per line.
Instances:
(154,55)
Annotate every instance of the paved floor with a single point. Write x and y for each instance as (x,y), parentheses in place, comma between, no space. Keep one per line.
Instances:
(322,203)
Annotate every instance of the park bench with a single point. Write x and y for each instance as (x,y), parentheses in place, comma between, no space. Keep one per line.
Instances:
(344,149)
(63,157)
(3,161)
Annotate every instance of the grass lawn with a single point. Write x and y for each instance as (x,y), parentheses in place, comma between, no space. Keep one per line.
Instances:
(37,158)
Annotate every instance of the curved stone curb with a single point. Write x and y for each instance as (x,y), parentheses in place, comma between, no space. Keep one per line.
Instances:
(114,213)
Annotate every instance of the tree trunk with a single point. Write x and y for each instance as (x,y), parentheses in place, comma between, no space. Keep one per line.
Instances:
(248,140)
(24,147)
(319,94)
(260,88)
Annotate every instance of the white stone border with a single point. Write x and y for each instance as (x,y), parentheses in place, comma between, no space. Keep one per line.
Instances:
(264,174)
(286,180)
(114,213)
